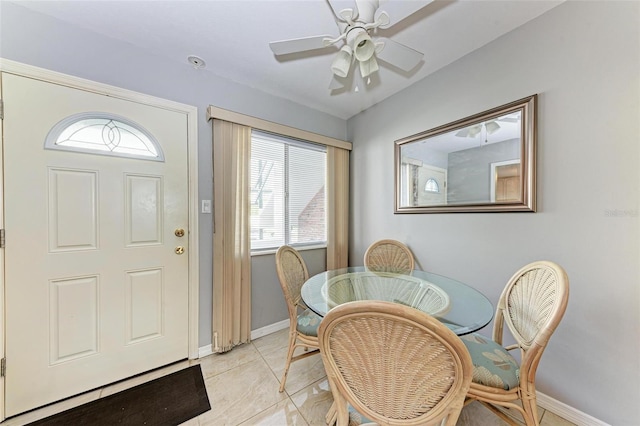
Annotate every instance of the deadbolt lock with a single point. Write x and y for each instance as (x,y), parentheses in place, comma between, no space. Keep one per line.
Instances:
(179,232)
(179,250)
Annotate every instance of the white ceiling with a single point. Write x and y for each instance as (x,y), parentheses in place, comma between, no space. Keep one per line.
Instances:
(233,38)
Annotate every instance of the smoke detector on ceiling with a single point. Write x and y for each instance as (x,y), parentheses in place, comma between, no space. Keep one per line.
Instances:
(196,61)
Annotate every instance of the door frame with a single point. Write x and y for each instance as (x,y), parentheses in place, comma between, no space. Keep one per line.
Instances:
(12,67)
(492,176)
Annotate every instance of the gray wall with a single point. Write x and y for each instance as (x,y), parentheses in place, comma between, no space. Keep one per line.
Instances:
(36,39)
(269,306)
(469,170)
(583,59)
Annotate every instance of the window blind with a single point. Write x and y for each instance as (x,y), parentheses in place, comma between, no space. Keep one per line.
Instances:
(288,192)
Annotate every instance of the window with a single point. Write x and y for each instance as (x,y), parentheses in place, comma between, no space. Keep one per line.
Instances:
(432,186)
(103,134)
(287,192)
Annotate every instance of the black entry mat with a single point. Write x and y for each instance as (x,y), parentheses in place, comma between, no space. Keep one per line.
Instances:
(169,400)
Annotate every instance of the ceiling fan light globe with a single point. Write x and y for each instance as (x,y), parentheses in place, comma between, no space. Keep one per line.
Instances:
(492,127)
(474,130)
(363,47)
(368,67)
(342,62)
(379,47)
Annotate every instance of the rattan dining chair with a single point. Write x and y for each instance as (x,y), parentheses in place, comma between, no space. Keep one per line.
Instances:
(389,256)
(303,323)
(531,305)
(393,364)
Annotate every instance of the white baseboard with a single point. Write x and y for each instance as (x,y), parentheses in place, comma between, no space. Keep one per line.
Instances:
(260,332)
(205,350)
(566,412)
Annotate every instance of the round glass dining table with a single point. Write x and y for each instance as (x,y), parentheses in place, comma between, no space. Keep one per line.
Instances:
(460,307)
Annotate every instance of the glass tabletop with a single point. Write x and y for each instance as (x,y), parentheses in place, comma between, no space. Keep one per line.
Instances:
(460,307)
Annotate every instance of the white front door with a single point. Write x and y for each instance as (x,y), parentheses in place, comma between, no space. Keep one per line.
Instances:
(95,290)
(432,186)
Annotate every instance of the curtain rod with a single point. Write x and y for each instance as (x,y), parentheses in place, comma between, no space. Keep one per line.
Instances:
(269,126)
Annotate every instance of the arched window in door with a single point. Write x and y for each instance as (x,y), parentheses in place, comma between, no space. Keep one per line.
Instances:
(432,185)
(104,134)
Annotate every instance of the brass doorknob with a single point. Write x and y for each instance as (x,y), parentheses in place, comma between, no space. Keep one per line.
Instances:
(179,232)
(179,250)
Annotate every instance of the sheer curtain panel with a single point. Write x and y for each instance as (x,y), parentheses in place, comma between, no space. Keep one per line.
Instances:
(231,239)
(232,236)
(337,208)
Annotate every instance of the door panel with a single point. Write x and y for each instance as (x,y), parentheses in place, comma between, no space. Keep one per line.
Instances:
(94,290)
(427,197)
(73,315)
(143,218)
(73,221)
(144,305)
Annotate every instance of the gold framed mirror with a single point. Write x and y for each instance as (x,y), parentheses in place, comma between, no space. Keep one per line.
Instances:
(482,163)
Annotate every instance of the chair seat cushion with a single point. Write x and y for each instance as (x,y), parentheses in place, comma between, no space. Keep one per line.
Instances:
(493,365)
(308,322)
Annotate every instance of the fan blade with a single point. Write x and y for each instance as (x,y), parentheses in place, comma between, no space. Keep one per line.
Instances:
(399,55)
(335,84)
(469,132)
(508,119)
(399,10)
(463,133)
(295,45)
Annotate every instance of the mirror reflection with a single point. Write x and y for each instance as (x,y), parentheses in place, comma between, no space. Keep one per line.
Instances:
(481,163)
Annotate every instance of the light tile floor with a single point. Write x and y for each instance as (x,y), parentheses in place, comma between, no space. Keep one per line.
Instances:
(243,390)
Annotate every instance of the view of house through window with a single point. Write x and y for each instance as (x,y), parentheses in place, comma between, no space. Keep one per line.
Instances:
(287,192)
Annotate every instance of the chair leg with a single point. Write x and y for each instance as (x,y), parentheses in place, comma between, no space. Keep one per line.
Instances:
(342,413)
(292,346)
(530,407)
(454,414)
(332,415)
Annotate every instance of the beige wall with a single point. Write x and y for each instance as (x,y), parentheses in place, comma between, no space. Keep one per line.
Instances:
(583,59)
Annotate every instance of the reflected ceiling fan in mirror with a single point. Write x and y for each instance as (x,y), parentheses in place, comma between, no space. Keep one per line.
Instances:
(488,127)
(471,132)
(358,21)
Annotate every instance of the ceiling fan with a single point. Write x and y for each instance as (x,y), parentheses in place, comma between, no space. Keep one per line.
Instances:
(357,24)
(489,127)
(471,132)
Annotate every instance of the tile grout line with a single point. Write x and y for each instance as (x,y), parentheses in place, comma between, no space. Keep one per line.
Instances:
(285,390)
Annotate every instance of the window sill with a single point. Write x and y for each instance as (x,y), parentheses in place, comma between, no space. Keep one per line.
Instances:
(300,248)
